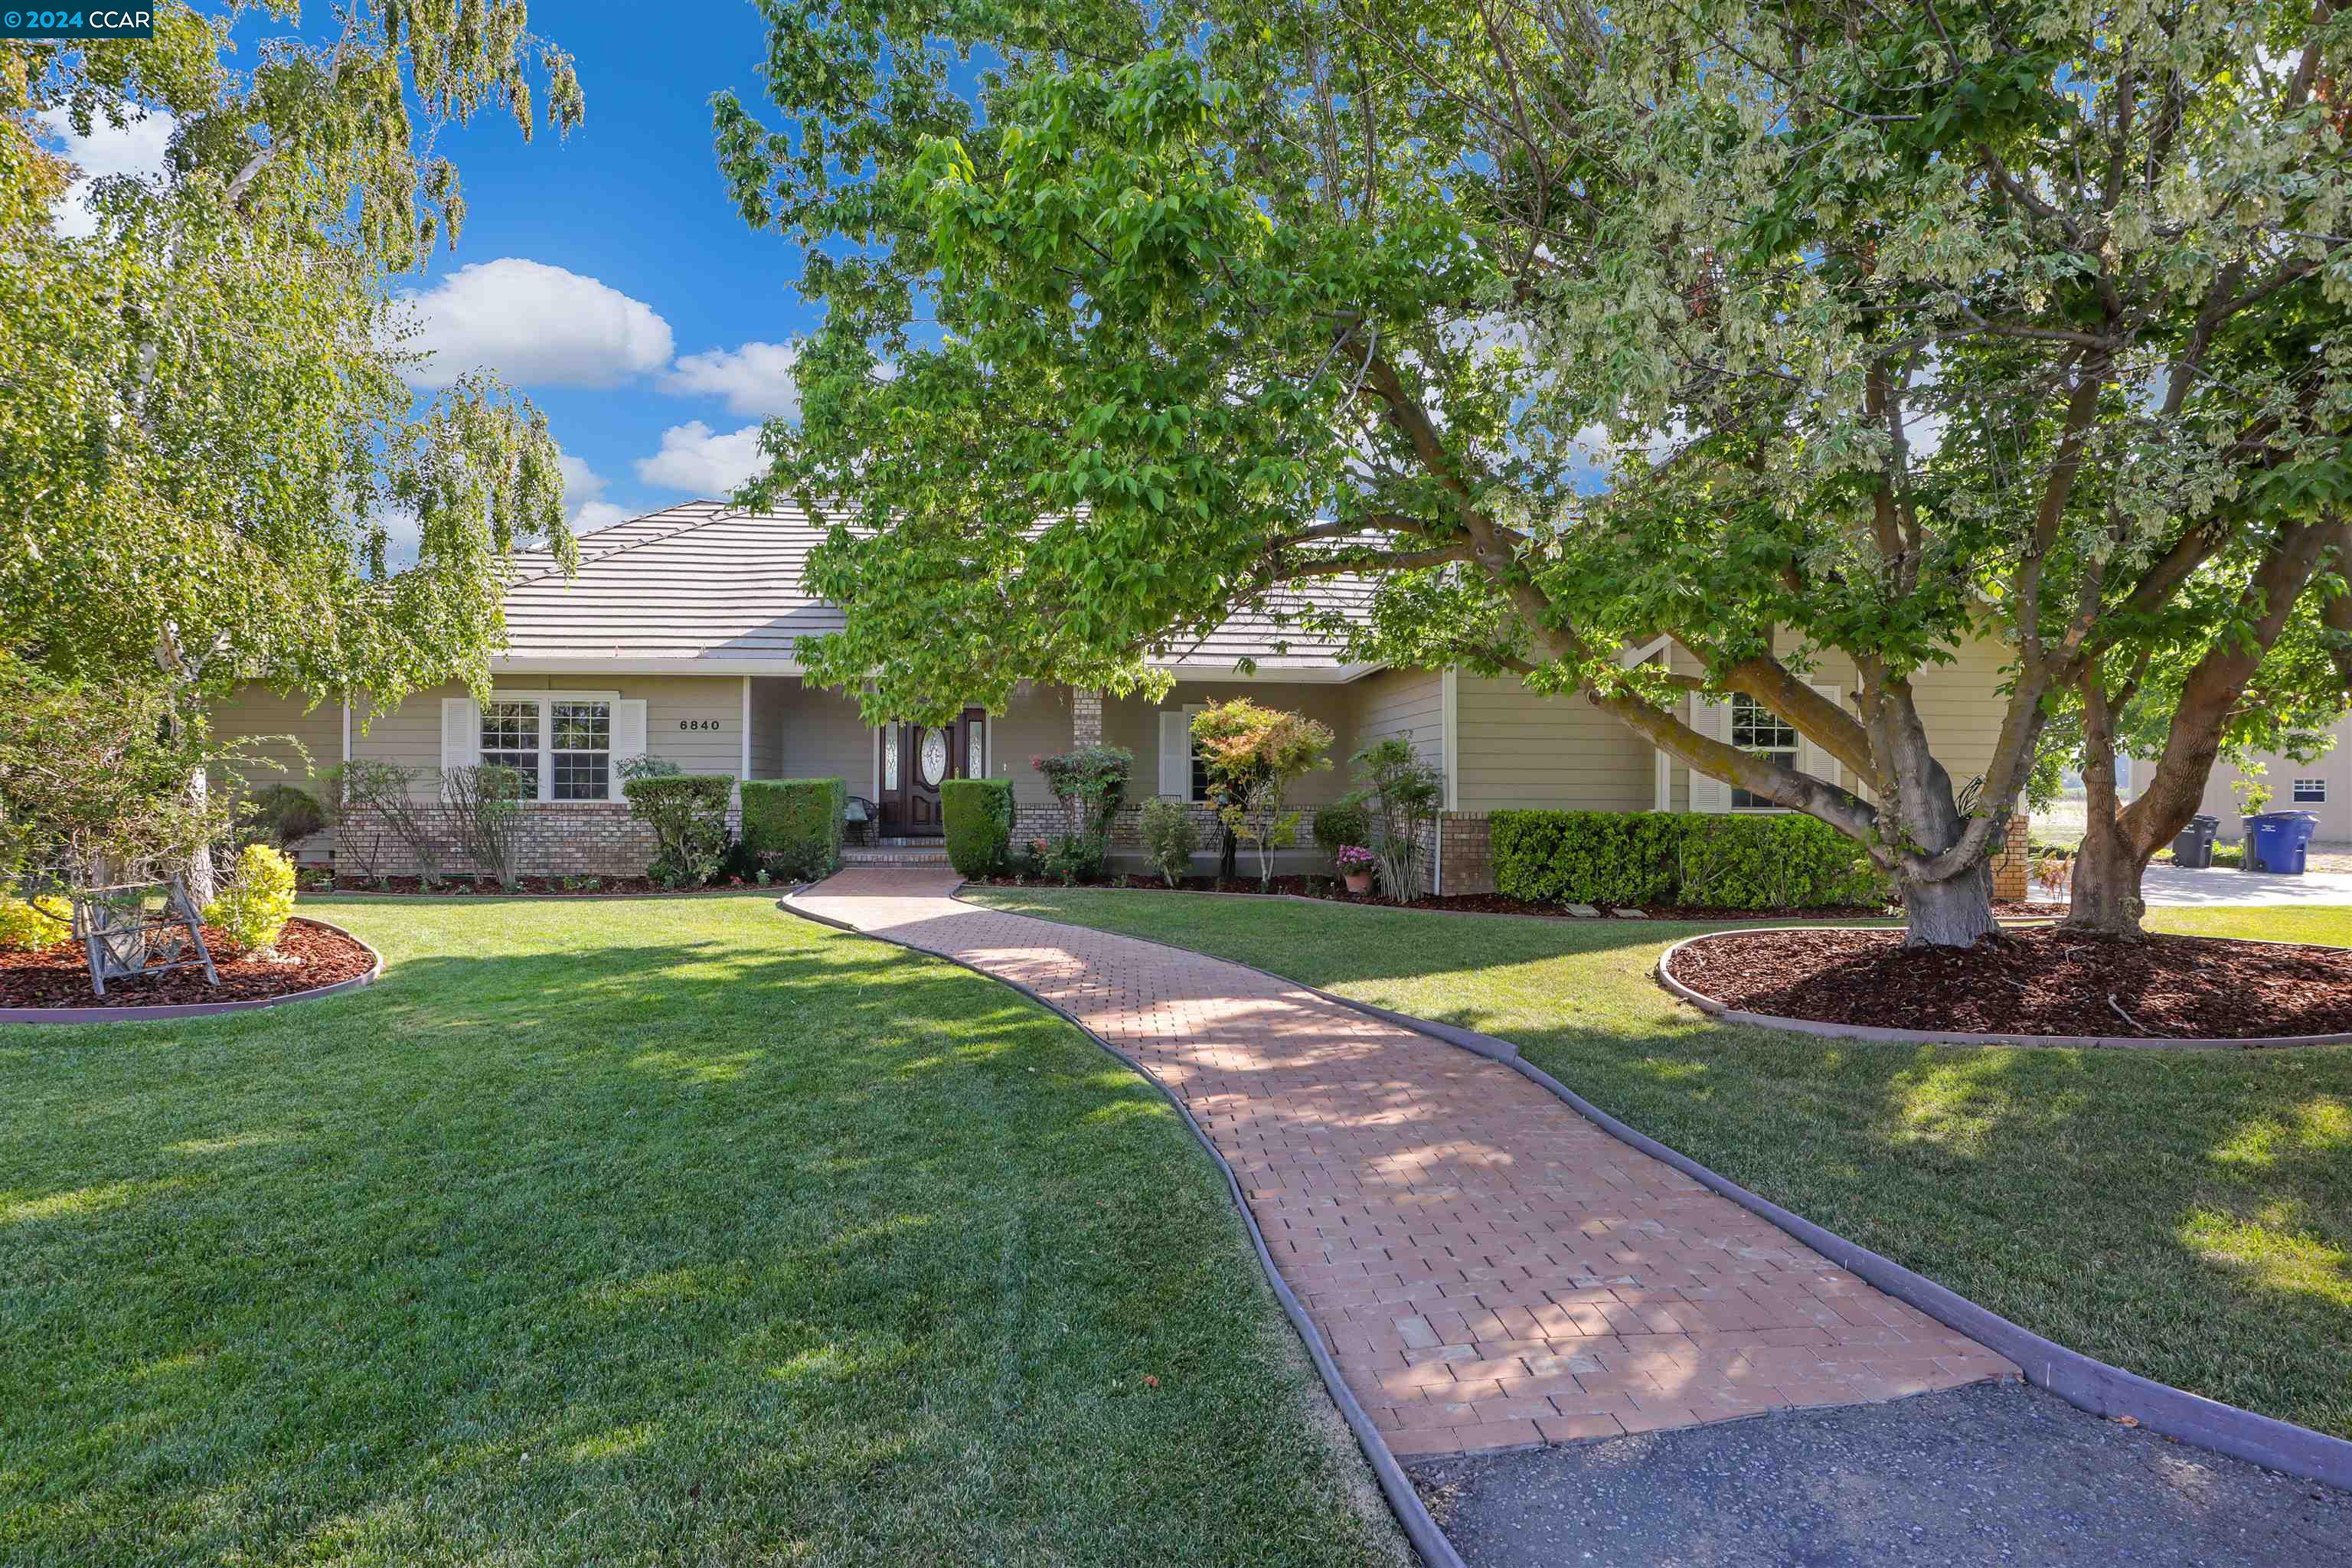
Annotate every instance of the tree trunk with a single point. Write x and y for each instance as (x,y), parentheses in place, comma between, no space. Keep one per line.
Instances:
(202,883)
(2104,895)
(2104,892)
(1955,913)
(1956,910)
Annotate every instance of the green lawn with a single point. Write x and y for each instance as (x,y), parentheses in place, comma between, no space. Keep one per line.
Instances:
(2187,1217)
(672,1231)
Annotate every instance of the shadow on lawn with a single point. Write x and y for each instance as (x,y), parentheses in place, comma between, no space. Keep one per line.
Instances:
(606,1253)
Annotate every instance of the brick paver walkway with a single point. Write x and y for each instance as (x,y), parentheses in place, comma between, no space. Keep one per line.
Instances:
(1489,1268)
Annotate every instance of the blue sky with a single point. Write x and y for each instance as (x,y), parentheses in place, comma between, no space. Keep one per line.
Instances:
(606,275)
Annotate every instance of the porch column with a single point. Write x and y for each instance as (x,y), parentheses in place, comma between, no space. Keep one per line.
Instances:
(1085,730)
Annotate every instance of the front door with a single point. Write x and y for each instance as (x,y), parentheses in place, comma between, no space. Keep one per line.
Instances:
(918,758)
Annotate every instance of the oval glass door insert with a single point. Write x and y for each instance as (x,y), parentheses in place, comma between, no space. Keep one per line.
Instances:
(934,756)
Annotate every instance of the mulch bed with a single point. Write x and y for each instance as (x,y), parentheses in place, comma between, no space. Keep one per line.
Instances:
(2030,981)
(533,887)
(59,976)
(1330,892)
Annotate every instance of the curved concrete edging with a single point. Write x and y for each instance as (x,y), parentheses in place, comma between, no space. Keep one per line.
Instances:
(202,1009)
(1882,1035)
(1412,1515)
(1475,914)
(2083,1382)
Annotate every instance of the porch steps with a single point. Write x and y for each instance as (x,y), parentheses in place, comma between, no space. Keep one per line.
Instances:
(892,854)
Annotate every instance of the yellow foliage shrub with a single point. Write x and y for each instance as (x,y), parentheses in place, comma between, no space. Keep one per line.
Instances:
(31,927)
(258,900)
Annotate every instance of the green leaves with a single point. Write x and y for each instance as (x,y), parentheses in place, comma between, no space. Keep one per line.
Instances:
(212,449)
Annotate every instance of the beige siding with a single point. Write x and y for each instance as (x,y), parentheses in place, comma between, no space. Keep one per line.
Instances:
(291,741)
(1135,724)
(1036,723)
(1409,703)
(1520,749)
(818,734)
(2332,770)
(677,709)
(283,728)
(770,700)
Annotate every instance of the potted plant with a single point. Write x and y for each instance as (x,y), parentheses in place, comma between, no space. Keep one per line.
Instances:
(1355,863)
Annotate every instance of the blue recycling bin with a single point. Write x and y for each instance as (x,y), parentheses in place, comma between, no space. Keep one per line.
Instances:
(2277,840)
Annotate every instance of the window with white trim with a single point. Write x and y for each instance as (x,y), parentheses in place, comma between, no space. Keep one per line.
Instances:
(510,736)
(2310,792)
(579,747)
(1756,728)
(562,747)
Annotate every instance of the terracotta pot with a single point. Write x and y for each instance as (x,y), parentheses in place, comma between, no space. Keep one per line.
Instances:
(1360,883)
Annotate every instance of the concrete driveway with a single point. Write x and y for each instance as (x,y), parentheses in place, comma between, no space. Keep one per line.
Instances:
(2169,885)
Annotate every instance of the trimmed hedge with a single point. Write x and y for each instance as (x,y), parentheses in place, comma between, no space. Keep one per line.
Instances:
(1629,858)
(794,825)
(978,813)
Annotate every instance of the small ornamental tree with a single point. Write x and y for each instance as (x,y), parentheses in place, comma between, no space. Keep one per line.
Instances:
(1091,782)
(1401,794)
(1254,754)
(483,803)
(688,814)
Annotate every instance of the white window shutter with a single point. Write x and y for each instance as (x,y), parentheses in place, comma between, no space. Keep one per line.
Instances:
(1810,758)
(1176,753)
(461,733)
(1711,716)
(628,737)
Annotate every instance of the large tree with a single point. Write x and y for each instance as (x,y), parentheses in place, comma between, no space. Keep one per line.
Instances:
(209,440)
(1825,329)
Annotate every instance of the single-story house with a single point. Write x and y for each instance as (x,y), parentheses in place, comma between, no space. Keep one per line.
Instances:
(677,638)
(2322,786)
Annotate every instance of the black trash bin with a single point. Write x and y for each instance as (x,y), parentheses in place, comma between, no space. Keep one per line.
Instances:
(2193,850)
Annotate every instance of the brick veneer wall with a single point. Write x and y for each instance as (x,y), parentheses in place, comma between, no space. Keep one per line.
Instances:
(574,838)
(2011,873)
(1465,854)
(1086,717)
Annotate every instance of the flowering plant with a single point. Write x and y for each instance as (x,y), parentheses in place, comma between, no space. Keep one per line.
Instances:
(1355,860)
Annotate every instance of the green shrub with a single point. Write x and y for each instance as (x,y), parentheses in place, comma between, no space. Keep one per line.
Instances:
(1775,863)
(257,900)
(282,814)
(1073,860)
(1337,826)
(1627,859)
(794,825)
(1170,836)
(34,925)
(979,820)
(688,813)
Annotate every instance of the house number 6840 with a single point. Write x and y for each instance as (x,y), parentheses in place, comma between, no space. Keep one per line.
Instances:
(698,723)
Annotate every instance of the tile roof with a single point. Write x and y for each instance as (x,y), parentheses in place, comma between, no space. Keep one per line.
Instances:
(706,582)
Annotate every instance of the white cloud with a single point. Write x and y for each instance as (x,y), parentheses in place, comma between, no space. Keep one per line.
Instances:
(696,459)
(756,380)
(535,325)
(136,149)
(583,504)
(599,514)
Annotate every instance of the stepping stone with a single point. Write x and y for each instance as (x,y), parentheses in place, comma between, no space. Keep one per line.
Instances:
(1584,911)
(1633,914)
